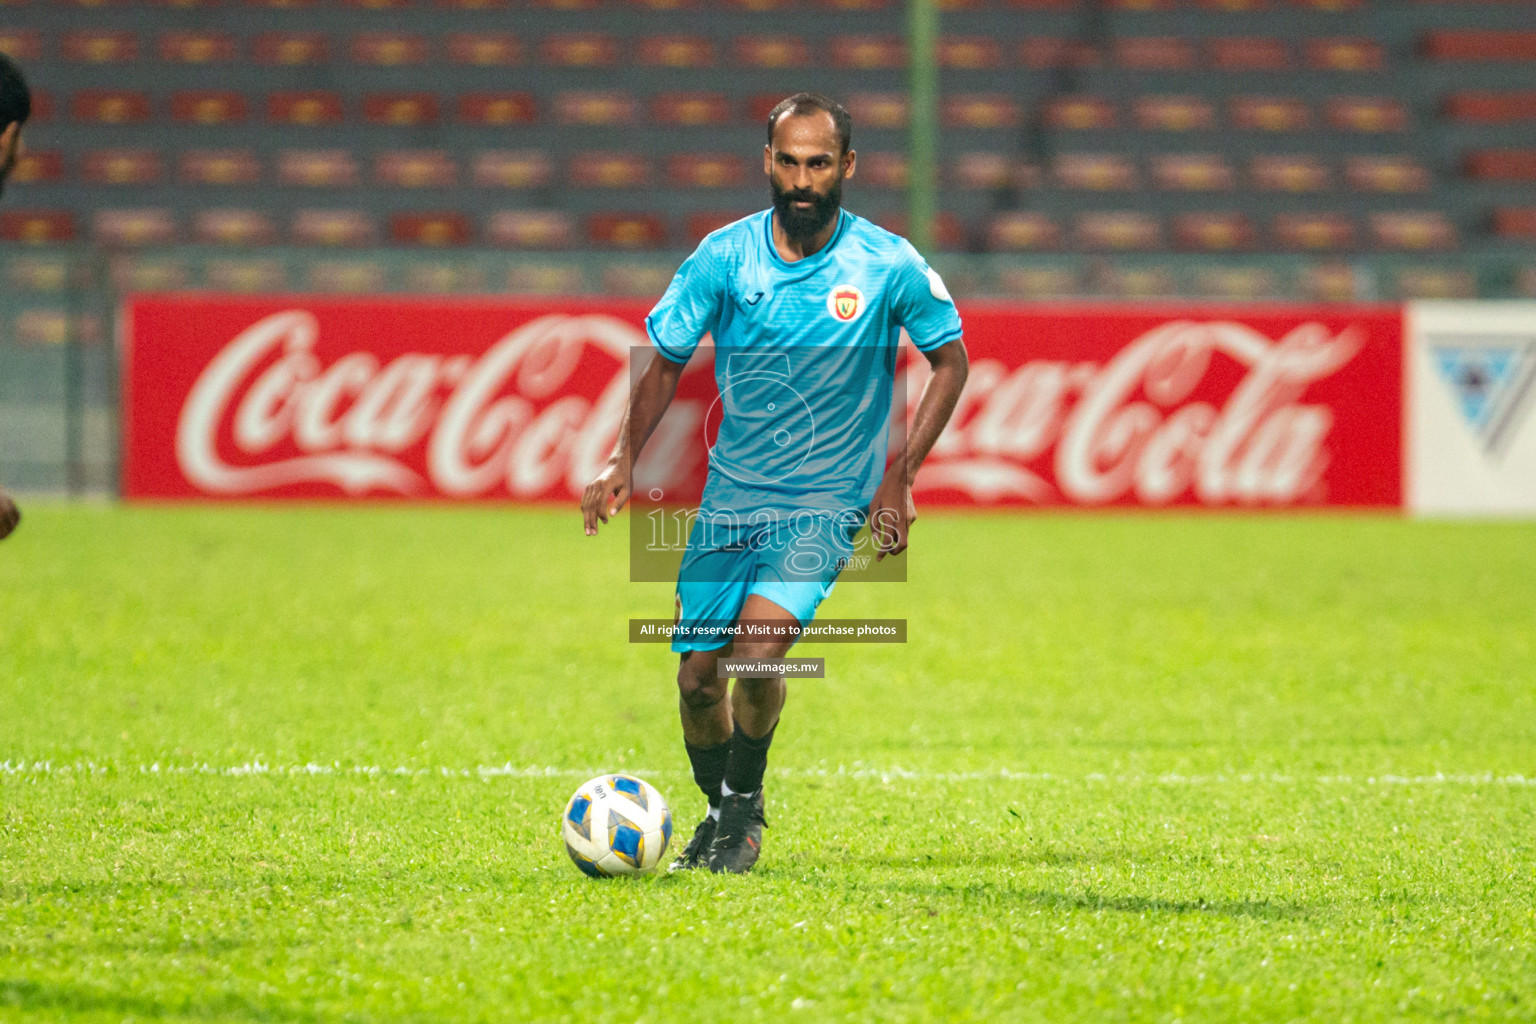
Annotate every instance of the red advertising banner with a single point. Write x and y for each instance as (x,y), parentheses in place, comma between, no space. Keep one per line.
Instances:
(520,400)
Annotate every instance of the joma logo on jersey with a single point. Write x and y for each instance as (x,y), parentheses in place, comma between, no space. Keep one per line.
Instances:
(845,303)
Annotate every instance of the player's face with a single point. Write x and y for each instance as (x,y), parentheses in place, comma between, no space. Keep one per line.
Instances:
(806,167)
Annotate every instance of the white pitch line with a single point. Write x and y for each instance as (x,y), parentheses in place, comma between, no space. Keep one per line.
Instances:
(46,769)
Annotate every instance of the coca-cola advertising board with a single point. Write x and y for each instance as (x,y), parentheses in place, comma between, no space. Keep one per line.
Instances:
(513,400)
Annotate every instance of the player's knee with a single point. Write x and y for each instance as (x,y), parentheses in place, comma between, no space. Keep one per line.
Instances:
(697,683)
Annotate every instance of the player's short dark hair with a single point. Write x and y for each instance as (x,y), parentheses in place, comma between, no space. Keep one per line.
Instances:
(15,99)
(810,103)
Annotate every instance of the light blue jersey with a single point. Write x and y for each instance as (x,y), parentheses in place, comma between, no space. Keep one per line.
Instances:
(804,361)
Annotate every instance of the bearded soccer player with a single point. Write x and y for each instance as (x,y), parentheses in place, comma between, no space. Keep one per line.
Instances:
(15,108)
(805,303)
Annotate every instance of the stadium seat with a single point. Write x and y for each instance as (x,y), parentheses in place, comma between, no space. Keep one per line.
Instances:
(1332,281)
(868,53)
(985,111)
(416,168)
(1517,222)
(1248,53)
(545,279)
(1491,107)
(1330,5)
(1153,53)
(579,50)
(333,228)
(292,49)
(1136,282)
(1173,113)
(566,5)
(645,279)
(388,49)
(433,229)
(317,168)
(626,230)
(593,108)
(94,46)
(989,171)
(970,53)
(1234,5)
(483,49)
(511,169)
(691,108)
(42,107)
(1344,55)
(1386,174)
(1369,114)
(401,109)
(698,225)
(529,229)
(771,51)
(1269,114)
(1245,284)
(665,5)
(948,231)
(1415,231)
(854,5)
(36,227)
(1192,172)
(677,51)
(319,107)
(208,107)
(878,109)
(1095,171)
(122,167)
(218,167)
(1039,282)
(1502,165)
(1435,283)
(134,227)
(1213,232)
(609,170)
(1080,113)
(358,276)
(1314,232)
(1142,5)
(1043,53)
(197,47)
(233,227)
(1120,230)
(1298,173)
(497,108)
(475,5)
(1043,5)
(38,166)
(1480,45)
(23,45)
(110,106)
(706,170)
(883,170)
(760,5)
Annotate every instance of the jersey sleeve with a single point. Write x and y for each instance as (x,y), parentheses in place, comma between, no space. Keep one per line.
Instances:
(691,306)
(922,303)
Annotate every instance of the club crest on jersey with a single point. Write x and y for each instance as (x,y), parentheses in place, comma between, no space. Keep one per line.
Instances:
(845,303)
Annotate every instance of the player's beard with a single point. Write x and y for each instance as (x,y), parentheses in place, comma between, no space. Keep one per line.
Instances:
(803,224)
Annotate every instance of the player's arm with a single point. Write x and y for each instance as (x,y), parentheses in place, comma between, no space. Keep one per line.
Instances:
(10,515)
(648,401)
(892,512)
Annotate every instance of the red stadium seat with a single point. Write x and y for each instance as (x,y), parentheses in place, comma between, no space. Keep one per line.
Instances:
(1044,5)
(1517,222)
(854,5)
(776,51)
(21,44)
(1099,172)
(677,51)
(1192,172)
(475,5)
(94,46)
(484,49)
(1413,231)
(1480,45)
(416,168)
(1046,52)
(1120,230)
(882,170)
(233,227)
(970,53)
(283,5)
(596,108)
(1142,5)
(626,230)
(988,171)
(388,49)
(36,227)
(1367,114)
(529,229)
(1330,282)
(879,109)
(1314,232)
(1269,114)
(706,170)
(511,169)
(610,170)
(497,108)
(665,5)
(38,166)
(761,5)
(1173,113)
(948,231)
(401,108)
(317,168)
(208,107)
(219,167)
(1301,173)
(1502,165)
(1491,107)
(1081,113)
(110,106)
(986,111)
(1234,5)
(122,167)
(868,53)
(42,107)
(146,226)
(700,224)
(758,107)
(1213,232)
(1344,55)
(691,108)
(305,108)
(566,5)
(292,49)
(434,229)
(334,227)
(579,50)
(1330,5)
(197,47)
(1249,53)
(1153,53)
(377,5)
(1386,174)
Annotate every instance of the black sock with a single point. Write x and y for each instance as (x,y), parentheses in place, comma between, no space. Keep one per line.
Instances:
(709,768)
(749,759)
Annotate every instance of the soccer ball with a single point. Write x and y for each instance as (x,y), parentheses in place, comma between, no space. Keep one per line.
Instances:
(616,825)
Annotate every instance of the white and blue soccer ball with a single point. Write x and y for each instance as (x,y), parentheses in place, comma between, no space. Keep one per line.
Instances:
(616,825)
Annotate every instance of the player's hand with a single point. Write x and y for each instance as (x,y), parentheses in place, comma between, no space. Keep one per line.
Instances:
(10,515)
(604,496)
(891,515)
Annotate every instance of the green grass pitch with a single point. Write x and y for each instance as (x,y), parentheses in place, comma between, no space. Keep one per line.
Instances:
(265,764)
